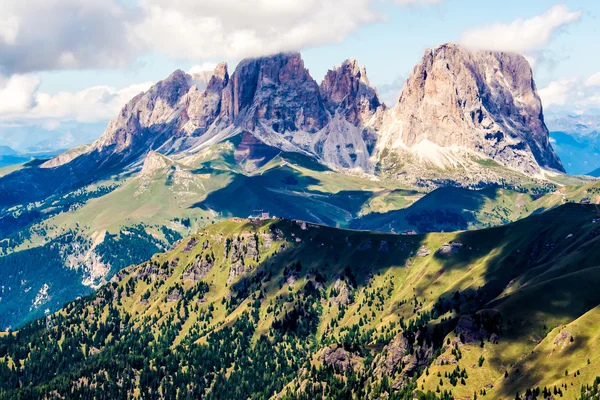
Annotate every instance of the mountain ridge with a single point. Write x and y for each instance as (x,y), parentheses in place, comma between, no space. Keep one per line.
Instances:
(292,309)
(342,122)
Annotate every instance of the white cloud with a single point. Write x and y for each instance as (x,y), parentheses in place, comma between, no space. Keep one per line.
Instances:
(98,103)
(204,67)
(39,35)
(44,35)
(9,27)
(16,93)
(571,94)
(593,80)
(557,92)
(200,29)
(521,35)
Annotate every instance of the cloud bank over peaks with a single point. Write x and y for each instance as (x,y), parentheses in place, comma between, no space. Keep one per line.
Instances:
(521,35)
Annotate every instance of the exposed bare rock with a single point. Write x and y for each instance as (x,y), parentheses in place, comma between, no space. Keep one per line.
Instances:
(563,338)
(338,358)
(237,269)
(145,116)
(480,101)
(423,252)
(458,107)
(174,295)
(267,240)
(154,162)
(276,91)
(251,245)
(204,105)
(153,270)
(397,360)
(341,292)
(346,89)
(198,269)
(66,157)
(478,327)
(450,248)
(446,359)
(190,245)
(392,357)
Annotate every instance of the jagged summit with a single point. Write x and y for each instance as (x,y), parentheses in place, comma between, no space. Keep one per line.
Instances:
(478,100)
(277,92)
(457,105)
(346,89)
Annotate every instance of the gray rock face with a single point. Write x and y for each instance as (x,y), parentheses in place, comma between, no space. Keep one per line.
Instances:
(483,101)
(397,360)
(198,270)
(202,107)
(346,89)
(337,358)
(144,118)
(456,104)
(276,91)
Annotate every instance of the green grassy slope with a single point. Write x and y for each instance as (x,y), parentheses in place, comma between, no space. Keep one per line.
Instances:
(314,311)
(179,196)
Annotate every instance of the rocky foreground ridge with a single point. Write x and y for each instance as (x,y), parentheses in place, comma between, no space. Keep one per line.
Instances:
(457,106)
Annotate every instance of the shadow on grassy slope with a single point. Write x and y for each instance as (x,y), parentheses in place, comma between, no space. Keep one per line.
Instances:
(284,192)
(543,272)
(444,209)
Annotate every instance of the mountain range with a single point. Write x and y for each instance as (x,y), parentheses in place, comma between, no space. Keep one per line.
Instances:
(457,106)
(458,110)
(265,209)
(270,136)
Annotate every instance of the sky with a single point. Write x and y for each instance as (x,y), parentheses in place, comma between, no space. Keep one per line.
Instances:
(68,66)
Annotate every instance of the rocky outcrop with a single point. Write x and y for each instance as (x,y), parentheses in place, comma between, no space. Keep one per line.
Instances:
(145,118)
(203,106)
(346,89)
(480,101)
(66,157)
(337,358)
(397,360)
(237,269)
(478,327)
(198,269)
(341,292)
(277,92)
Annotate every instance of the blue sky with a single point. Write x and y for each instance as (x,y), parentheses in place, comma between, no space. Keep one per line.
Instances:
(80,61)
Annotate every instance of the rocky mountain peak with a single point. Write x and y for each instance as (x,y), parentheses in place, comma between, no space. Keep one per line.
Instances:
(346,89)
(478,100)
(456,100)
(221,71)
(275,92)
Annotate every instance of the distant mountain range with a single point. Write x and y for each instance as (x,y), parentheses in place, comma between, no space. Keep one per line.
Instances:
(36,139)
(576,138)
(9,156)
